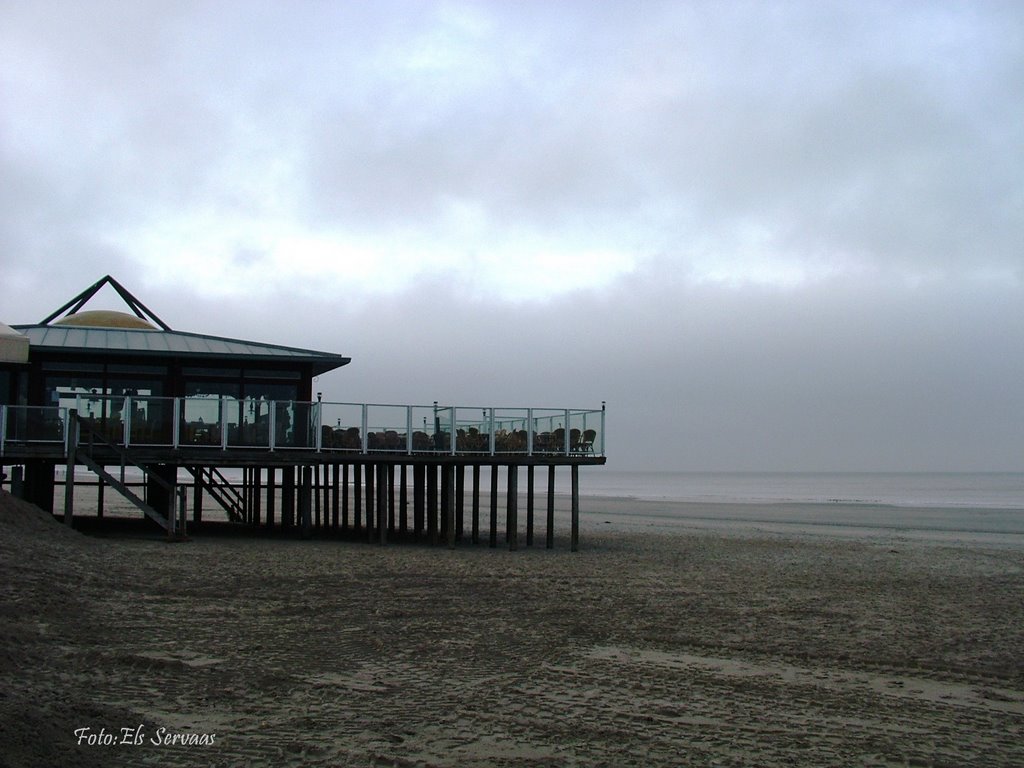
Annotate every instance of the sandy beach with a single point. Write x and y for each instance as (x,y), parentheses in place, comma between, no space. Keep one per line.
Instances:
(651,646)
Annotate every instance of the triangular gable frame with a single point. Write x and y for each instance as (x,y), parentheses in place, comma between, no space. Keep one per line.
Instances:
(136,306)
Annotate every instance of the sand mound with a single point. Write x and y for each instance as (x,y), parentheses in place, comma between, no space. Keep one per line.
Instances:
(17,516)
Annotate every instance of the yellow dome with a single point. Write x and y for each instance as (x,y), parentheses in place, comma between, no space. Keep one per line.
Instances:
(105,318)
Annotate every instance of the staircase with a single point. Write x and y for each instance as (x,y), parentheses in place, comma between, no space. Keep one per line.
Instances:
(221,490)
(80,452)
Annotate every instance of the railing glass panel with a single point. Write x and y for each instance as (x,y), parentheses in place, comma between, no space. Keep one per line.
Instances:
(341,427)
(253,429)
(472,430)
(425,437)
(224,422)
(34,424)
(149,420)
(387,428)
(585,432)
(295,424)
(203,418)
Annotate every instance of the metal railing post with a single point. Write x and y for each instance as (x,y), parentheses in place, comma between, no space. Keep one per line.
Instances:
(529,431)
(319,424)
(176,423)
(3,429)
(491,430)
(453,436)
(363,437)
(223,424)
(126,409)
(272,425)
(602,427)
(408,429)
(567,447)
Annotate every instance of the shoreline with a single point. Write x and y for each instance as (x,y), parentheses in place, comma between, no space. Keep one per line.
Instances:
(984,526)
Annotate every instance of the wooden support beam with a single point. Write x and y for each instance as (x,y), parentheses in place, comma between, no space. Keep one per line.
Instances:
(550,543)
(357,498)
(512,508)
(69,478)
(432,503)
(460,501)
(391,497)
(418,498)
(403,499)
(336,485)
(446,492)
(382,503)
(476,504)
(372,514)
(326,492)
(575,539)
(494,506)
(449,472)
(529,505)
(305,500)
(287,497)
(271,496)
(100,487)
(257,494)
(344,498)
(315,493)
(197,497)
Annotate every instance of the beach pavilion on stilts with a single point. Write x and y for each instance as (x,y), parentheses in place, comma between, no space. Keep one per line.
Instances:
(209,420)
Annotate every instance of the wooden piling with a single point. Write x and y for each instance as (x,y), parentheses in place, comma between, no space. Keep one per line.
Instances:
(305,500)
(512,508)
(335,493)
(382,503)
(371,512)
(197,498)
(403,500)
(529,505)
(446,492)
(449,472)
(418,499)
(69,478)
(315,493)
(550,543)
(287,497)
(432,503)
(257,494)
(271,496)
(494,507)
(391,497)
(344,498)
(357,498)
(575,538)
(476,504)
(460,501)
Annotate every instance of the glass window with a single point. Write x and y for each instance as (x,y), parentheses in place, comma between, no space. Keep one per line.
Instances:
(272,374)
(258,390)
(219,373)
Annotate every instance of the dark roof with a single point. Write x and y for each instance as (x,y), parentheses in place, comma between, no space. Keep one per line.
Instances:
(66,338)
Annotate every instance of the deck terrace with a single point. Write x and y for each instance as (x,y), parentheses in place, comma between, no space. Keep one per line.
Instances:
(295,455)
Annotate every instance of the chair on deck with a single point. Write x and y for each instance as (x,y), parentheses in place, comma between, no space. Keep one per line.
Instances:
(587,441)
(574,440)
(558,440)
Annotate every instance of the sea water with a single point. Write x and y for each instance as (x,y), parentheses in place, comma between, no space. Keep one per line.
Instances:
(977,490)
(982,507)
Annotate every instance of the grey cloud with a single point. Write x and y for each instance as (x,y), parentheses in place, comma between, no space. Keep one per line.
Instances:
(882,139)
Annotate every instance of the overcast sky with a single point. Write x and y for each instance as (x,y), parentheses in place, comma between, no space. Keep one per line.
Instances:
(773,236)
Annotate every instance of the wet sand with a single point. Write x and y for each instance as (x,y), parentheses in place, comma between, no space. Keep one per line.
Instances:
(656,644)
